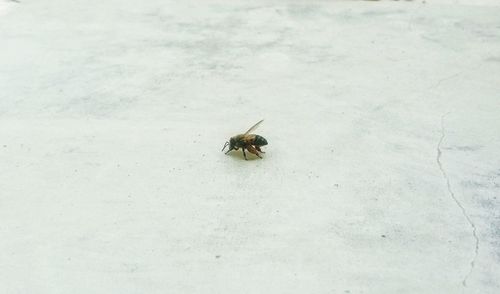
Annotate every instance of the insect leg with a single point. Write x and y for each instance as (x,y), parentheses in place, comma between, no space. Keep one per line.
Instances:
(244,154)
(258,149)
(229,151)
(252,150)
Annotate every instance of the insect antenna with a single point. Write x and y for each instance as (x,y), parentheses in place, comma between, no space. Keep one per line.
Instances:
(225,145)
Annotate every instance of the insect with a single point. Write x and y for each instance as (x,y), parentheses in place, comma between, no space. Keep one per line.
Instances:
(248,141)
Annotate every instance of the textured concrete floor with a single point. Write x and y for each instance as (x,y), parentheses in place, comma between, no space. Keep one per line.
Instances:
(382,173)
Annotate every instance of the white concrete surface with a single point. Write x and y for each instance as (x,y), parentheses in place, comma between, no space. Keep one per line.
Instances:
(382,173)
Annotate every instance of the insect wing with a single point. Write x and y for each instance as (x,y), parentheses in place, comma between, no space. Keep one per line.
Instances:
(248,139)
(253,127)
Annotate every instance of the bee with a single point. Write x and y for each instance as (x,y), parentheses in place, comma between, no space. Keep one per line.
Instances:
(248,141)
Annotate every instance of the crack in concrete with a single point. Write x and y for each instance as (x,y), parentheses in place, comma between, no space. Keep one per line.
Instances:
(458,203)
(436,85)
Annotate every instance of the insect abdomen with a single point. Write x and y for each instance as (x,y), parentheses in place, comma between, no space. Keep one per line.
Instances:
(260,141)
